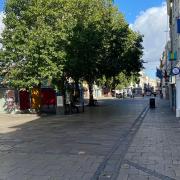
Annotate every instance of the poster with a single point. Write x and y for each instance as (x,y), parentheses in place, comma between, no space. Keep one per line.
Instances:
(35,98)
(59,101)
(68,98)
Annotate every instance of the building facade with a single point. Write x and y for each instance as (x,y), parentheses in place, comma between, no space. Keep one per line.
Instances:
(173,10)
(147,83)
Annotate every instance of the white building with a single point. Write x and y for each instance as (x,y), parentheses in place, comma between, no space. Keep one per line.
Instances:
(147,83)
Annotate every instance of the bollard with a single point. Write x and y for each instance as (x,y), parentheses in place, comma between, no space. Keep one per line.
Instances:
(152,103)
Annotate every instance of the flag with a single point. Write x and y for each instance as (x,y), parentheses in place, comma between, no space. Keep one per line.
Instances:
(172,56)
(178,25)
(159,73)
(161,64)
(164,55)
(166,77)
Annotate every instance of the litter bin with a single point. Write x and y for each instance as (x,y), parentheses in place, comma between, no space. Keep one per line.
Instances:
(152,103)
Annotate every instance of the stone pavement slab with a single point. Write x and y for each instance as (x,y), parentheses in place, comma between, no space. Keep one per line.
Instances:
(118,140)
(65,147)
(154,152)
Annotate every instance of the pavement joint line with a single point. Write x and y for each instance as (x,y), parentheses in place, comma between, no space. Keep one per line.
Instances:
(125,140)
(12,151)
(148,171)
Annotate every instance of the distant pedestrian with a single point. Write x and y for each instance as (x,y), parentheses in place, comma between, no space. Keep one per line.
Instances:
(123,94)
(74,101)
(133,93)
(161,95)
(130,93)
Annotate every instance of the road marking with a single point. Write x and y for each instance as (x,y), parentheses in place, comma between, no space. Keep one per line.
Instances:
(123,143)
(148,171)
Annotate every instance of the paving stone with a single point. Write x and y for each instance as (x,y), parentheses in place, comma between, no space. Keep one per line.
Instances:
(139,177)
(155,152)
(99,140)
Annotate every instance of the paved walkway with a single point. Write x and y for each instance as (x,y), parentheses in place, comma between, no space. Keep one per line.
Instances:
(119,140)
(155,151)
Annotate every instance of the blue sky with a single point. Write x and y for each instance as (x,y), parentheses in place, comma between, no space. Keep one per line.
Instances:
(132,8)
(147,17)
(1,4)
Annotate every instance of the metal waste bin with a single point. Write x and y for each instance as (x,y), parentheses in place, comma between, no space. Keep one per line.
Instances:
(152,103)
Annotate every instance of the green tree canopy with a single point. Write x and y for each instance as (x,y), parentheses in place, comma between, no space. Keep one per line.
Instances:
(57,39)
(34,39)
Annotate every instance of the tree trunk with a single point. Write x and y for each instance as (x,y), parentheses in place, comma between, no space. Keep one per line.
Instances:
(39,87)
(91,98)
(62,90)
(77,87)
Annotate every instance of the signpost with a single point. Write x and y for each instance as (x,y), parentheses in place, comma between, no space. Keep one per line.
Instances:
(176,71)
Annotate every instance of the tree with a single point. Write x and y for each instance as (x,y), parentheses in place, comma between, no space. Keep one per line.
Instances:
(58,39)
(97,45)
(33,41)
(132,61)
(86,42)
(118,82)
